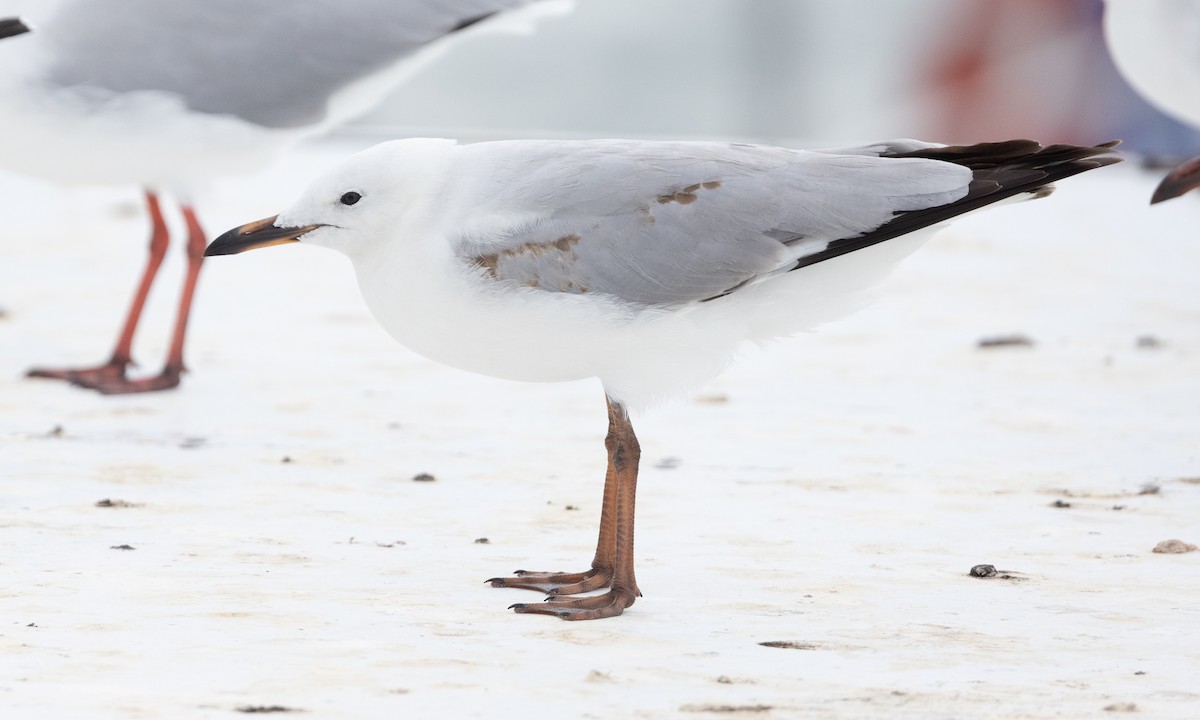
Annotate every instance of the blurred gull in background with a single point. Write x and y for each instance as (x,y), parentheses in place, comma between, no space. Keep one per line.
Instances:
(170,95)
(644,264)
(1156,44)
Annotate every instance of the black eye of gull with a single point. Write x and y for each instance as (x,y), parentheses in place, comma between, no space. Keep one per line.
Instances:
(350,198)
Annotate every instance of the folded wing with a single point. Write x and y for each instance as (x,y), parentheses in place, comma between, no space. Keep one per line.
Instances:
(674,223)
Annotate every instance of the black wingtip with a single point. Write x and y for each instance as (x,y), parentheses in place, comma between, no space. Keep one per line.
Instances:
(10,27)
(1000,170)
(1013,156)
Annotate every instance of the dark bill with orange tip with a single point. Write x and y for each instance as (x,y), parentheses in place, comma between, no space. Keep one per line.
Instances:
(258,234)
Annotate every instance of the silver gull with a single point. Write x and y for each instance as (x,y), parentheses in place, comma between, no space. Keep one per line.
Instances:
(170,95)
(643,264)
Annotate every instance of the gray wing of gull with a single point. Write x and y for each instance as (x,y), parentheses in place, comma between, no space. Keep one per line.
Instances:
(655,223)
(271,62)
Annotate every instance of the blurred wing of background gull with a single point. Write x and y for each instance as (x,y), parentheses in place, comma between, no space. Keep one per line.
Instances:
(172,95)
(783,72)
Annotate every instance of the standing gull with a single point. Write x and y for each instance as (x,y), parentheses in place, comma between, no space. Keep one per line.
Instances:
(170,95)
(1156,46)
(644,264)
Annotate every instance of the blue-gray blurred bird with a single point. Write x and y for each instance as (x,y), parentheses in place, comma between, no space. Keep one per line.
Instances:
(1156,46)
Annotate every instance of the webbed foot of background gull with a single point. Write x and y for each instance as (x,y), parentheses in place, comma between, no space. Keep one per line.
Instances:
(110,378)
(165,380)
(108,371)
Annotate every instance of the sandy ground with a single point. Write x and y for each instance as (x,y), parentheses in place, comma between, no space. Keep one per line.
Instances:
(827,495)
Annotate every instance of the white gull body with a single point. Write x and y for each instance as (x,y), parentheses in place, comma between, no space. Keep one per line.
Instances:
(425,295)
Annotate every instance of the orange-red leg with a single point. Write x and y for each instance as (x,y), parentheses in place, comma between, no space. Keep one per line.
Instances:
(612,566)
(110,378)
(114,369)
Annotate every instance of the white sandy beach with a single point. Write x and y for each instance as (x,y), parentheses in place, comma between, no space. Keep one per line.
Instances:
(829,493)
